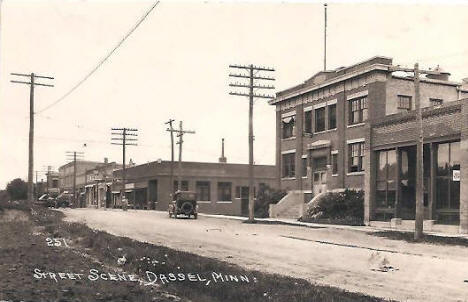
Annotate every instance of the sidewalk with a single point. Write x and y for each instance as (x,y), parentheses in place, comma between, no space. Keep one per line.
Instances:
(365,229)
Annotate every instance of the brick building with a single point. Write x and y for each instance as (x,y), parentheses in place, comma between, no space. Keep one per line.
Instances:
(66,176)
(351,128)
(222,188)
(97,191)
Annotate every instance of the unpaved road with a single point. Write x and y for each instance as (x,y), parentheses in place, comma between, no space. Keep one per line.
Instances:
(342,258)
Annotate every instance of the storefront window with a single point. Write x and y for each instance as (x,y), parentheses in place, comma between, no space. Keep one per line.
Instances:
(386,179)
(447,183)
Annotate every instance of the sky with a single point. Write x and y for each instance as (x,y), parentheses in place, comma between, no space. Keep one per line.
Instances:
(175,65)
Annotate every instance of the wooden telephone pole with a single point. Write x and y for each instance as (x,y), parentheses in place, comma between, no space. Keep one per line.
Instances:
(252,78)
(419,215)
(124,140)
(72,156)
(180,135)
(32,83)
(171,180)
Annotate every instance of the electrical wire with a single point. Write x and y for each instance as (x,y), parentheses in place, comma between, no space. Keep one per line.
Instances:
(100,62)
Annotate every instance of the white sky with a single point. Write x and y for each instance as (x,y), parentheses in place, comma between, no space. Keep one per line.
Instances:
(175,65)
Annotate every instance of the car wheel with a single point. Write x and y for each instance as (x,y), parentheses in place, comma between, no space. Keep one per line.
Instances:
(187,208)
(195,215)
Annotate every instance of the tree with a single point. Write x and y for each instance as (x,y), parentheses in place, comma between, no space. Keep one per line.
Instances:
(17,189)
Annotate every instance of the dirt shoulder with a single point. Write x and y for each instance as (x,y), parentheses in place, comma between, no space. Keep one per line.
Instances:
(351,260)
(47,259)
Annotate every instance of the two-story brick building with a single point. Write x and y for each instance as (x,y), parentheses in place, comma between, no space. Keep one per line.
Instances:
(330,136)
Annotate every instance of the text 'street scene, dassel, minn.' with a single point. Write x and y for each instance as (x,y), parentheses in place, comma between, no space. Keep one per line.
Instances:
(233,151)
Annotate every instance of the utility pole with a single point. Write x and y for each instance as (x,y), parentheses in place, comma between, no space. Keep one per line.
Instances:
(171,180)
(325,39)
(180,135)
(419,215)
(124,140)
(72,156)
(252,77)
(32,77)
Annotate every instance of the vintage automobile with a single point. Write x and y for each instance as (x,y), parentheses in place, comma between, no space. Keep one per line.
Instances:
(185,202)
(63,200)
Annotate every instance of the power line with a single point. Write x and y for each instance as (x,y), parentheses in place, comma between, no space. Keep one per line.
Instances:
(100,62)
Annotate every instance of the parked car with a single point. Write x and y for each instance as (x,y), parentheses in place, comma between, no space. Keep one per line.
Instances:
(46,200)
(63,200)
(185,202)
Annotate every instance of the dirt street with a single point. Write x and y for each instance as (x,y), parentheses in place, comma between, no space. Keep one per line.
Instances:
(347,259)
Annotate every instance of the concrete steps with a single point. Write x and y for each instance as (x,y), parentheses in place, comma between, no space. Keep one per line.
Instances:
(290,206)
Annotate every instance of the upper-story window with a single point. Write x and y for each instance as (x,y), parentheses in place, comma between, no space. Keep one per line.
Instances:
(320,119)
(308,122)
(332,116)
(288,126)
(358,110)
(436,102)
(404,103)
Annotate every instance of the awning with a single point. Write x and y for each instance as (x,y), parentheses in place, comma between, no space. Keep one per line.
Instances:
(115,192)
(288,119)
(128,191)
(89,186)
(321,143)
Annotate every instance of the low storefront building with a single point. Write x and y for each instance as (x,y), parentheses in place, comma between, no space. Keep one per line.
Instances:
(222,188)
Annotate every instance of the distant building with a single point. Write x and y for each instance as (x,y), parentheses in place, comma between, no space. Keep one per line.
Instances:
(66,175)
(52,183)
(98,187)
(354,127)
(222,188)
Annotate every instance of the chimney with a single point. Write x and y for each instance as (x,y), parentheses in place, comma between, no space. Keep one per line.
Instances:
(222,159)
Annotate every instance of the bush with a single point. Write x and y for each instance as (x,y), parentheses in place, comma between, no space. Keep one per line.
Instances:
(17,189)
(265,197)
(340,208)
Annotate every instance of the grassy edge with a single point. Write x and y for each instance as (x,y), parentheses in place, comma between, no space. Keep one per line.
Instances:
(266,287)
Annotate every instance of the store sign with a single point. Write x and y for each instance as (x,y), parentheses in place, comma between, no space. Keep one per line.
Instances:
(130,186)
(456,175)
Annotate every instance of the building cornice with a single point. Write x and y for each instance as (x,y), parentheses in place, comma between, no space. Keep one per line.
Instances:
(338,79)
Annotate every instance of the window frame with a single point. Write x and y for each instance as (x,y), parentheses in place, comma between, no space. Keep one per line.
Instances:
(407,107)
(288,165)
(332,117)
(358,110)
(304,166)
(224,187)
(320,119)
(308,122)
(288,129)
(334,163)
(356,152)
(198,185)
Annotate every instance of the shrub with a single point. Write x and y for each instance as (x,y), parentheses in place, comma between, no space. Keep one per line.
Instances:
(17,189)
(265,197)
(338,207)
